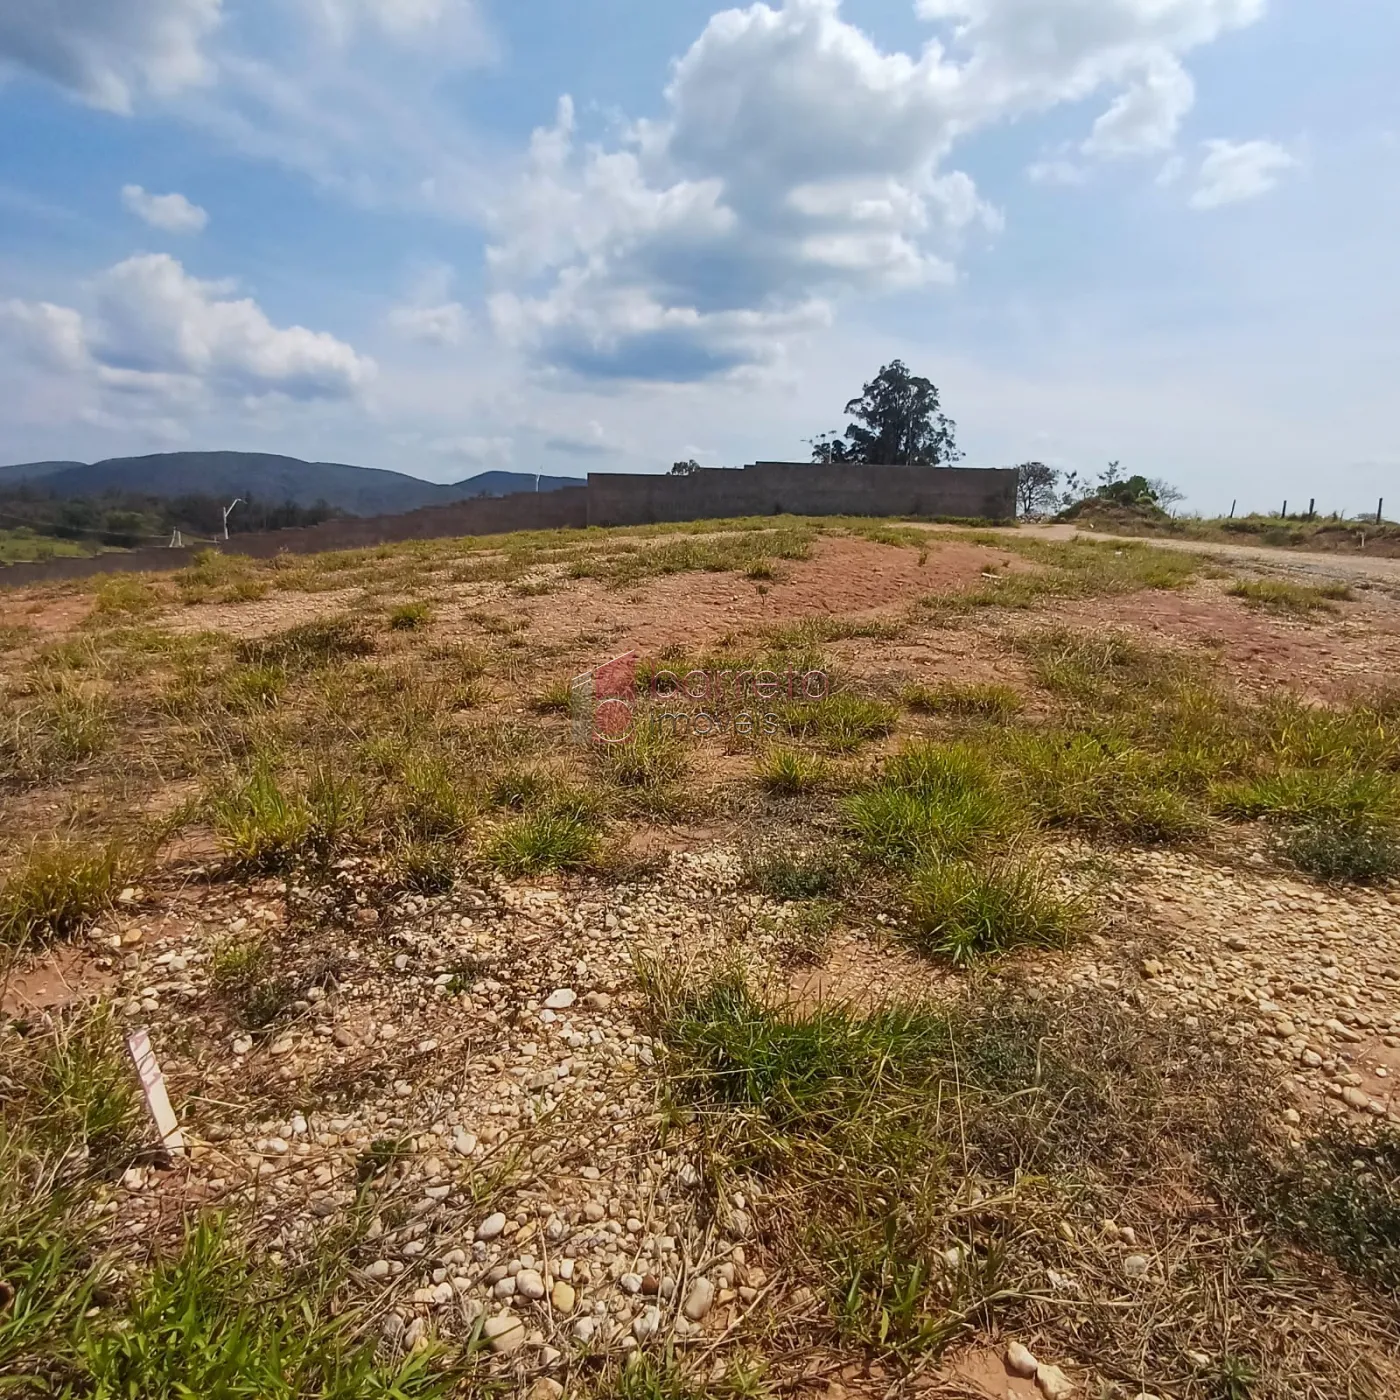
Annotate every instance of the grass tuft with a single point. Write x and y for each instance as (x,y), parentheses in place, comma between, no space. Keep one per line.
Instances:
(1295,599)
(983,700)
(963,912)
(409,617)
(791,771)
(58,887)
(1344,852)
(553,839)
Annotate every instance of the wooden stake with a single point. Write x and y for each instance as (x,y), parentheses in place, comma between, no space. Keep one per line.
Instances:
(153,1090)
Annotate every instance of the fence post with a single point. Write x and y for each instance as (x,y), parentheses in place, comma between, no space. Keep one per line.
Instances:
(1380,505)
(1285,510)
(1312,503)
(1233,504)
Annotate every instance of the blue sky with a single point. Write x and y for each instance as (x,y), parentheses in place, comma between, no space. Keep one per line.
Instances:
(444,236)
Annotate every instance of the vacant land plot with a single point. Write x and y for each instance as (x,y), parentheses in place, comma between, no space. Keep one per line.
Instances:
(1012,1009)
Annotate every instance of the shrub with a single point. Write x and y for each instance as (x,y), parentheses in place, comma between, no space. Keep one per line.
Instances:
(263,824)
(648,758)
(1344,852)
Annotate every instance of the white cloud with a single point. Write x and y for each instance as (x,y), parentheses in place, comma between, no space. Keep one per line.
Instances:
(157,339)
(44,334)
(108,51)
(1057,172)
(1238,170)
(153,317)
(400,19)
(432,325)
(171,212)
(1144,118)
(701,240)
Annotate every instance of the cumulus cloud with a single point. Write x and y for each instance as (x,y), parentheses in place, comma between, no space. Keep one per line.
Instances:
(432,325)
(171,212)
(107,52)
(796,163)
(1233,171)
(153,317)
(156,333)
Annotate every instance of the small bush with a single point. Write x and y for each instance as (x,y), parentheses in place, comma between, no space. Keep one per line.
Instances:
(963,911)
(790,771)
(1344,852)
(982,700)
(427,866)
(409,617)
(538,841)
(58,887)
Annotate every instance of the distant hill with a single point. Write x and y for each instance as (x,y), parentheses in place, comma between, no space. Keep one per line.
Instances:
(266,477)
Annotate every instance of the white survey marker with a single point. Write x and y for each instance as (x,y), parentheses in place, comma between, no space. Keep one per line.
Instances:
(154,1092)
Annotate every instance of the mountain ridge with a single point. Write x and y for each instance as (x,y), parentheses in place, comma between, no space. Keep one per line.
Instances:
(269,477)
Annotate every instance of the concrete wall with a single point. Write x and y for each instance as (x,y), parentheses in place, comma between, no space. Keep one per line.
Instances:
(766,488)
(800,488)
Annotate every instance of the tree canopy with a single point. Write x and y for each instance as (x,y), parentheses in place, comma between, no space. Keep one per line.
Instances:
(899,422)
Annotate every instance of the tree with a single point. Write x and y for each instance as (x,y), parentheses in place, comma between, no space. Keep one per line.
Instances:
(685,468)
(900,423)
(1035,488)
(1167,494)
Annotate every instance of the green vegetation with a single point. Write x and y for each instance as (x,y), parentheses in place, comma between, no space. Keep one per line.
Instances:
(791,771)
(963,911)
(58,886)
(841,723)
(561,837)
(264,823)
(984,700)
(1298,599)
(796,875)
(408,617)
(930,803)
(25,546)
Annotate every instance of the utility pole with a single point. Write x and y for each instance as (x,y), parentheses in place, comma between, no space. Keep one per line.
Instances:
(1380,505)
(228,510)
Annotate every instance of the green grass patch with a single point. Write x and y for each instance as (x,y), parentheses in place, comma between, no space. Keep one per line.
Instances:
(788,771)
(58,886)
(842,723)
(410,617)
(557,838)
(964,911)
(979,700)
(932,801)
(1295,599)
(270,822)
